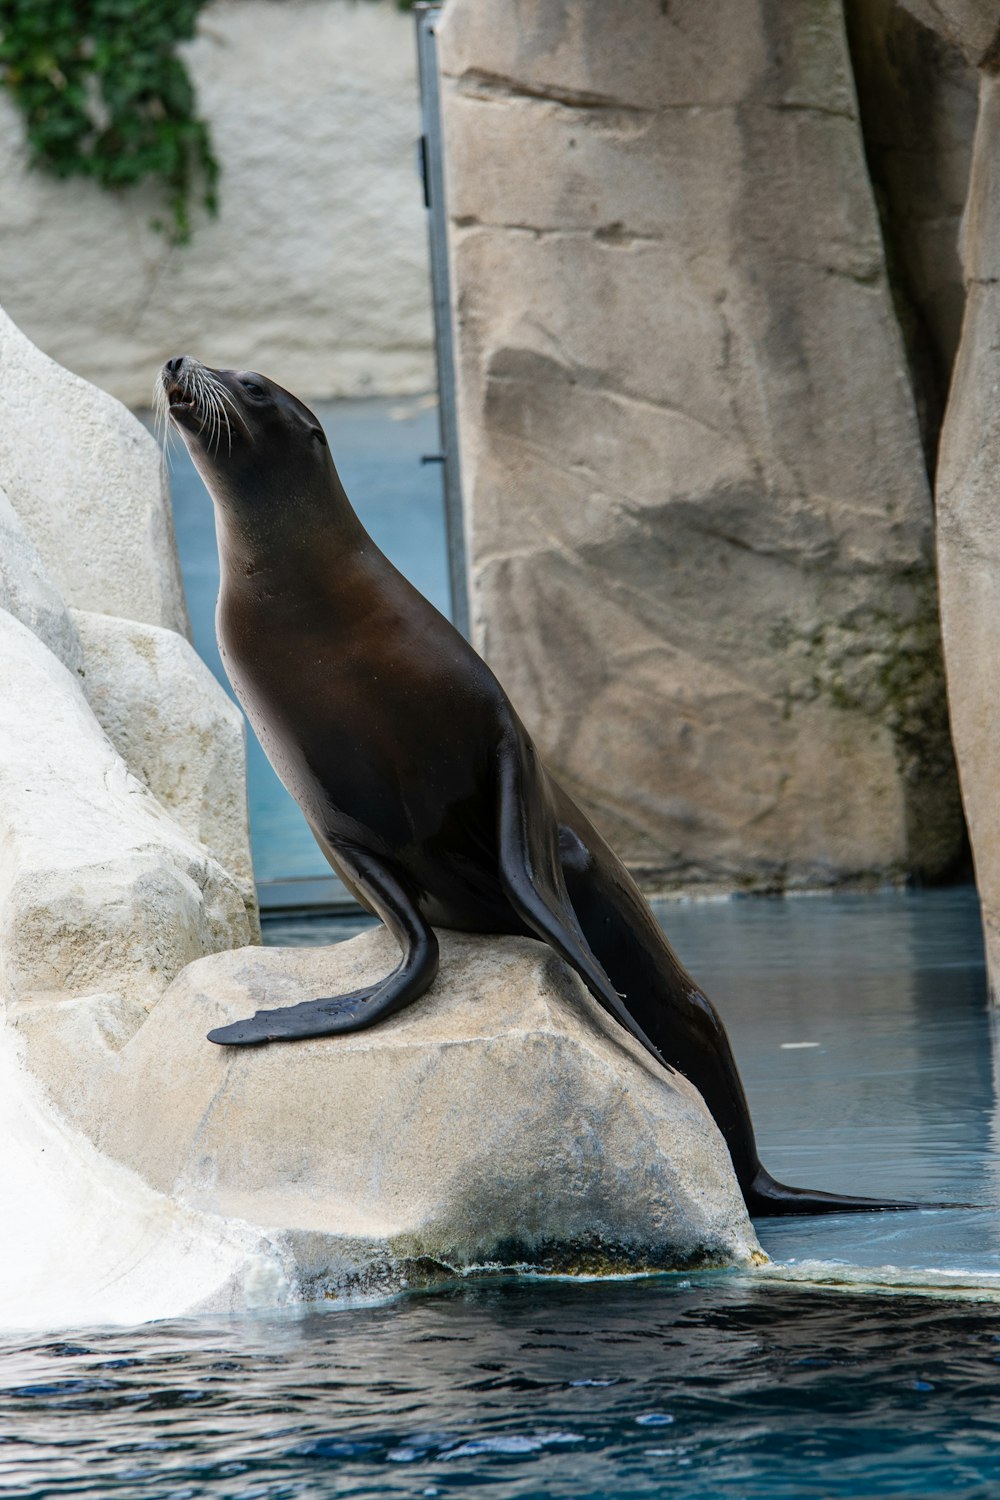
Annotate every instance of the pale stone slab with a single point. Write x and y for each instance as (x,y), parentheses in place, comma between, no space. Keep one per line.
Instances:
(100,890)
(501,1119)
(89,486)
(176,730)
(701,530)
(28,593)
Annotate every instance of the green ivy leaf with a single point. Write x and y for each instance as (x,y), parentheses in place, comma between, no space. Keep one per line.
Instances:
(104,95)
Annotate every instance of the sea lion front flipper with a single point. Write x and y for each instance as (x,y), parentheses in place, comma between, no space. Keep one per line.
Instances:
(532,878)
(387,897)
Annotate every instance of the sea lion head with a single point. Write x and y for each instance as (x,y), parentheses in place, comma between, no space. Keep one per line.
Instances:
(256,446)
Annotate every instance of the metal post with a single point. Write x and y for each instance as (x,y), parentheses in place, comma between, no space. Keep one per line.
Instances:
(432,162)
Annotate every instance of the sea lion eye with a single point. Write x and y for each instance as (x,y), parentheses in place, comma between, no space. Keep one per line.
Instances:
(319,435)
(252,388)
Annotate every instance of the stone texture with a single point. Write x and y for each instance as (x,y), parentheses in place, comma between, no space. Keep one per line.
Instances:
(500,1119)
(972,25)
(100,891)
(968,491)
(315,270)
(86,1242)
(919,99)
(176,730)
(88,484)
(701,531)
(28,593)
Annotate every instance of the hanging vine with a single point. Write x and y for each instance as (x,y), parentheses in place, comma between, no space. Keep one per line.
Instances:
(104,95)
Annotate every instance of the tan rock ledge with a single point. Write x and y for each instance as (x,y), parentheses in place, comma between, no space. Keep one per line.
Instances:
(501,1120)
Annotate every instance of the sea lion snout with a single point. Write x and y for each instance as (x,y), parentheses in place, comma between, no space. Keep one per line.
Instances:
(176,380)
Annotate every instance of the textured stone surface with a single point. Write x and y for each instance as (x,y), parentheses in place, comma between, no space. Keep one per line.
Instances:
(176,730)
(28,593)
(86,1242)
(315,270)
(700,522)
(89,486)
(501,1118)
(919,98)
(100,891)
(972,25)
(968,508)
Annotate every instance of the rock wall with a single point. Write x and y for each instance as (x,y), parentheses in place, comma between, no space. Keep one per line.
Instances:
(701,529)
(315,269)
(968,498)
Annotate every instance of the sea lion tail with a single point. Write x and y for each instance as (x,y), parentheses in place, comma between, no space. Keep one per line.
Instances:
(766,1198)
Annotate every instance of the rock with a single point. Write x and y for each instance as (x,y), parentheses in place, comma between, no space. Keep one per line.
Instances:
(968,530)
(918,97)
(28,593)
(176,730)
(502,1119)
(86,1242)
(972,25)
(100,891)
(88,484)
(701,532)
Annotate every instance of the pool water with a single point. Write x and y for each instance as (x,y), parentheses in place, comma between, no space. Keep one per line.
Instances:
(862,1031)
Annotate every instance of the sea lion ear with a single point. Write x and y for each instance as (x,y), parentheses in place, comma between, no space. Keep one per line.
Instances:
(319,435)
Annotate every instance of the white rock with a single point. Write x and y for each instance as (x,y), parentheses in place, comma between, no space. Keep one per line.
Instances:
(84,1241)
(28,593)
(502,1118)
(89,485)
(176,730)
(968,510)
(100,891)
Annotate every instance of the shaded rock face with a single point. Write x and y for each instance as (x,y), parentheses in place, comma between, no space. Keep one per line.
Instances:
(502,1119)
(918,97)
(968,499)
(701,532)
(176,730)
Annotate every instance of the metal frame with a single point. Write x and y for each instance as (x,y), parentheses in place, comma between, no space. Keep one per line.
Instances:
(432,164)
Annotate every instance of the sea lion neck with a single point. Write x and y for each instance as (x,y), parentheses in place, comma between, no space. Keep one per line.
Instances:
(294,543)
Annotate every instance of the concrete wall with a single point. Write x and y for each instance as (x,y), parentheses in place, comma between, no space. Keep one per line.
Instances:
(315,270)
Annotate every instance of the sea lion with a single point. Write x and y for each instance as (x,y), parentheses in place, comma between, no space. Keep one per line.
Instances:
(417,777)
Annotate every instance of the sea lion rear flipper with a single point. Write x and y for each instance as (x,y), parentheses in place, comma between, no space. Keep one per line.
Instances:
(532,878)
(387,897)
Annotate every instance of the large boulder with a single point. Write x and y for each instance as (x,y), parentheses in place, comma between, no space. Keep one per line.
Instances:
(176,730)
(701,529)
(100,890)
(503,1119)
(89,486)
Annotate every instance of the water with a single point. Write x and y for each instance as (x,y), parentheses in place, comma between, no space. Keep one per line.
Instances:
(377,445)
(750,1385)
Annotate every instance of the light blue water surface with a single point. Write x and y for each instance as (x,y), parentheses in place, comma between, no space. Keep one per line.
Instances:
(696,1386)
